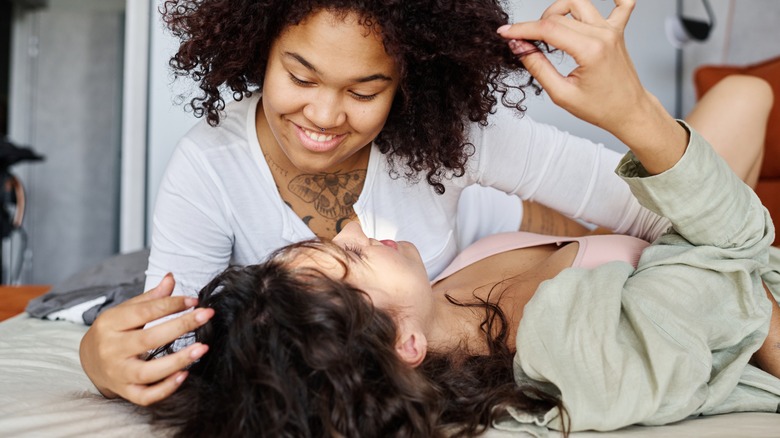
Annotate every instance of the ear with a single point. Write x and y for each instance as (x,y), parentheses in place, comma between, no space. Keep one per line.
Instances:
(411,347)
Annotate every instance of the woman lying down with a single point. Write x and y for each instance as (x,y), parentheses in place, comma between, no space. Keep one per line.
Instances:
(349,338)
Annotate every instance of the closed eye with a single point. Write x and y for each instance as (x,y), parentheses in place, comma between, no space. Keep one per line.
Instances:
(364,97)
(361,97)
(300,82)
(356,250)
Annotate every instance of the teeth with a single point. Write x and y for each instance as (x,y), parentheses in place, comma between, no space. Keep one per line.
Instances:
(318,137)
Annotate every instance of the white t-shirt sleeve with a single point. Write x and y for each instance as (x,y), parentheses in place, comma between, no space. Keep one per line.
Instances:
(484,211)
(191,234)
(569,174)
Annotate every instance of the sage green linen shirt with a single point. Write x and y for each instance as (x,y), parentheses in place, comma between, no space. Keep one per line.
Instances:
(673,337)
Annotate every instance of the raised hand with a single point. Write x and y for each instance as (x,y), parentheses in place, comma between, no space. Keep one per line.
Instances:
(113,350)
(604,89)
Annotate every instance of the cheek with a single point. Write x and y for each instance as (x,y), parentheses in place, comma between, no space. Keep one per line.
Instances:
(279,94)
(370,119)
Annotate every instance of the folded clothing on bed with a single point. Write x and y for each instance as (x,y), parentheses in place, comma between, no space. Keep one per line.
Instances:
(83,296)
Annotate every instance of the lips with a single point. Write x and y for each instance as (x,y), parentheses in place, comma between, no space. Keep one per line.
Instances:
(317,141)
(390,243)
(318,137)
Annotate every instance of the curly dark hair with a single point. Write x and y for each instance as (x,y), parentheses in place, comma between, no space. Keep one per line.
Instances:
(453,66)
(296,353)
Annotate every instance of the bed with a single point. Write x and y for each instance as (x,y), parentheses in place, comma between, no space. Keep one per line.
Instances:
(44,393)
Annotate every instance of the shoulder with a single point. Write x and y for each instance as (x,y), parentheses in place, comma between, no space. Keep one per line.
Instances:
(509,128)
(236,129)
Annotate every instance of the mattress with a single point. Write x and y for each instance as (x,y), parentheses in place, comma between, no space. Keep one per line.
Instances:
(44,393)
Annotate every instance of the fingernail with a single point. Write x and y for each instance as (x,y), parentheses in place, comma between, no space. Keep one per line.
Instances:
(199,351)
(203,315)
(503,28)
(180,378)
(522,47)
(190,301)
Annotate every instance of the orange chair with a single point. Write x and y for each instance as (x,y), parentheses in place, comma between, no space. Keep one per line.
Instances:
(768,188)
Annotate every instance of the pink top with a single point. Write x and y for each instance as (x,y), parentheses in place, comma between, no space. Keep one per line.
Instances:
(593,251)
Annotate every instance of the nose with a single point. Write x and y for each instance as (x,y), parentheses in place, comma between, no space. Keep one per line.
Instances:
(326,110)
(351,234)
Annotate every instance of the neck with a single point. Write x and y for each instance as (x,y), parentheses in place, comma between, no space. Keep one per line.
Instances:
(508,279)
(460,326)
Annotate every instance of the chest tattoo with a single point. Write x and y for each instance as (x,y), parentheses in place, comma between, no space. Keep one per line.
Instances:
(276,169)
(331,194)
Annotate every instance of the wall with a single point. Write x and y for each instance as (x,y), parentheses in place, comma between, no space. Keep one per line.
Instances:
(65,104)
(168,120)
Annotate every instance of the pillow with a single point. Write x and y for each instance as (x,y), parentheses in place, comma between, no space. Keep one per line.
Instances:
(707,76)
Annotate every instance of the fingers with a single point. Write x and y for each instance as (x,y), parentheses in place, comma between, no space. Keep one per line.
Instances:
(145,395)
(562,33)
(622,12)
(163,289)
(538,65)
(138,315)
(149,372)
(112,348)
(130,316)
(142,341)
(113,360)
(555,29)
(145,308)
(154,380)
(581,10)
(586,12)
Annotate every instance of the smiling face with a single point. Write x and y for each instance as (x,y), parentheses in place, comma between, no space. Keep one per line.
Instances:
(327,92)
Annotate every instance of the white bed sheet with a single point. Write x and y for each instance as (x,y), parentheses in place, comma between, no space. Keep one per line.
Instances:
(44,393)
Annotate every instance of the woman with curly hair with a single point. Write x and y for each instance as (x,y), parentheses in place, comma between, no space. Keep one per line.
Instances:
(377,111)
(298,353)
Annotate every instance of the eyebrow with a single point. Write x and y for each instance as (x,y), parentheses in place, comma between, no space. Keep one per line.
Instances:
(309,66)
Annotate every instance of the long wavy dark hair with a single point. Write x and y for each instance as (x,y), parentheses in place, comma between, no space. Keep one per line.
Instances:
(453,66)
(296,353)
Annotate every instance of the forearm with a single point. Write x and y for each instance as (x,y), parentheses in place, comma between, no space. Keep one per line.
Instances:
(706,203)
(768,356)
(656,139)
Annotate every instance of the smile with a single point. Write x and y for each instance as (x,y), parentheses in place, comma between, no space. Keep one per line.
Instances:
(318,137)
(318,142)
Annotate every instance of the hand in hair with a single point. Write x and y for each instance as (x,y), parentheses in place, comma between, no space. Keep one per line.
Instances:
(596,43)
(113,350)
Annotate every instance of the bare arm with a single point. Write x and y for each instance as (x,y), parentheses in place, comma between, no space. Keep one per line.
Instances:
(768,356)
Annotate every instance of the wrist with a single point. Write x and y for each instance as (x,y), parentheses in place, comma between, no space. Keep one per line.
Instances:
(653,135)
